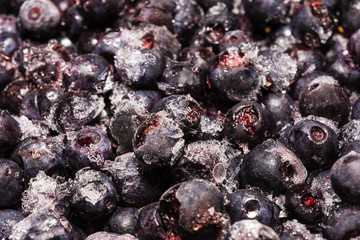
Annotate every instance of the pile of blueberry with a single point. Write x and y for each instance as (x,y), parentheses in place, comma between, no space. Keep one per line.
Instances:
(179,119)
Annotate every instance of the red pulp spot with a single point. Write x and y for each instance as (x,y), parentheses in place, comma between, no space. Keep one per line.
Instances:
(147,40)
(231,60)
(34,14)
(314,4)
(309,201)
(317,134)
(247,116)
(85,141)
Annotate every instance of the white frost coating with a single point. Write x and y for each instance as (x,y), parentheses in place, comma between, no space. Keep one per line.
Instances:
(91,192)
(30,128)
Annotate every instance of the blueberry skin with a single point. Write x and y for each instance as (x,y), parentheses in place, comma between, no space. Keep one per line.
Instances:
(313,24)
(94,195)
(10,132)
(6,72)
(110,236)
(325,98)
(349,132)
(352,146)
(343,224)
(9,43)
(314,143)
(158,141)
(184,109)
(355,113)
(354,46)
(193,210)
(344,173)
(200,57)
(250,230)
(349,16)
(10,183)
(234,39)
(251,204)
(272,167)
(99,12)
(123,220)
(89,72)
(39,18)
(149,223)
(248,122)
(8,218)
(88,147)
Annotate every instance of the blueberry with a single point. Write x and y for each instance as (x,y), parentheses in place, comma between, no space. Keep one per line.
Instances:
(150,226)
(7,71)
(182,78)
(158,141)
(29,107)
(355,113)
(10,180)
(9,43)
(124,220)
(352,146)
(110,236)
(128,115)
(251,204)
(272,167)
(210,160)
(250,229)
(94,195)
(46,98)
(193,210)
(136,185)
(42,154)
(349,132)
(305,80)
(234,76)
(343,175)
(354,47)
(293,230)
(74,110)
(8,23)
(10,132)
(321,95)
(235,38)
(98,11)
(349,16)
(74,22)
(198,57)
(313,24)
(89,72)
(248,123)
(39,18)
(185,111)
(314,143)
(343,224)
(8,218)
(88,147)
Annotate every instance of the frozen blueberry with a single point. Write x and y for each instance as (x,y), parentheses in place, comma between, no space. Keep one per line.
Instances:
(354,46)
(150,226)
(159,141)
(74,22)
(46,98)
(235,38)
(42,154)
(8,218)
(10,132)
(94,195)
(74,110)
(325,98)
(7,71)
(272,167)
(343,224)
(314,143)
(293,230)
(89,72)
(98,11)
(350,16)
(39,18)
(10,183)
(136,185)
(356,109)
(248,123)
(352,146)
(9,43)
(251,204)
(88,147)
(185,111)
(250,230)
(349,132)
(124,220)
(344,173)
(199,57)
(193,210)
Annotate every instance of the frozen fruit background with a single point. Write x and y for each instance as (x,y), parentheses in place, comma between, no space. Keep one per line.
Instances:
(179,119)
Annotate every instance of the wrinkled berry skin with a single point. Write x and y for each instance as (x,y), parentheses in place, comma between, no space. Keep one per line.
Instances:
(344,173)
(272,167)
(94,195)
(251,204)
(233,76)
(8,218)
(193,210)
(39,18)
(88,147)
(10,132)
(314,143)
(323,97)
(10,183)
(158,141)
(343,224)
(313,24)
(248,122)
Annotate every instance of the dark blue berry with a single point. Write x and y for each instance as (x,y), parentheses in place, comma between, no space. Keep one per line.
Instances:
(10,132)
(10,183)
(124,220)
